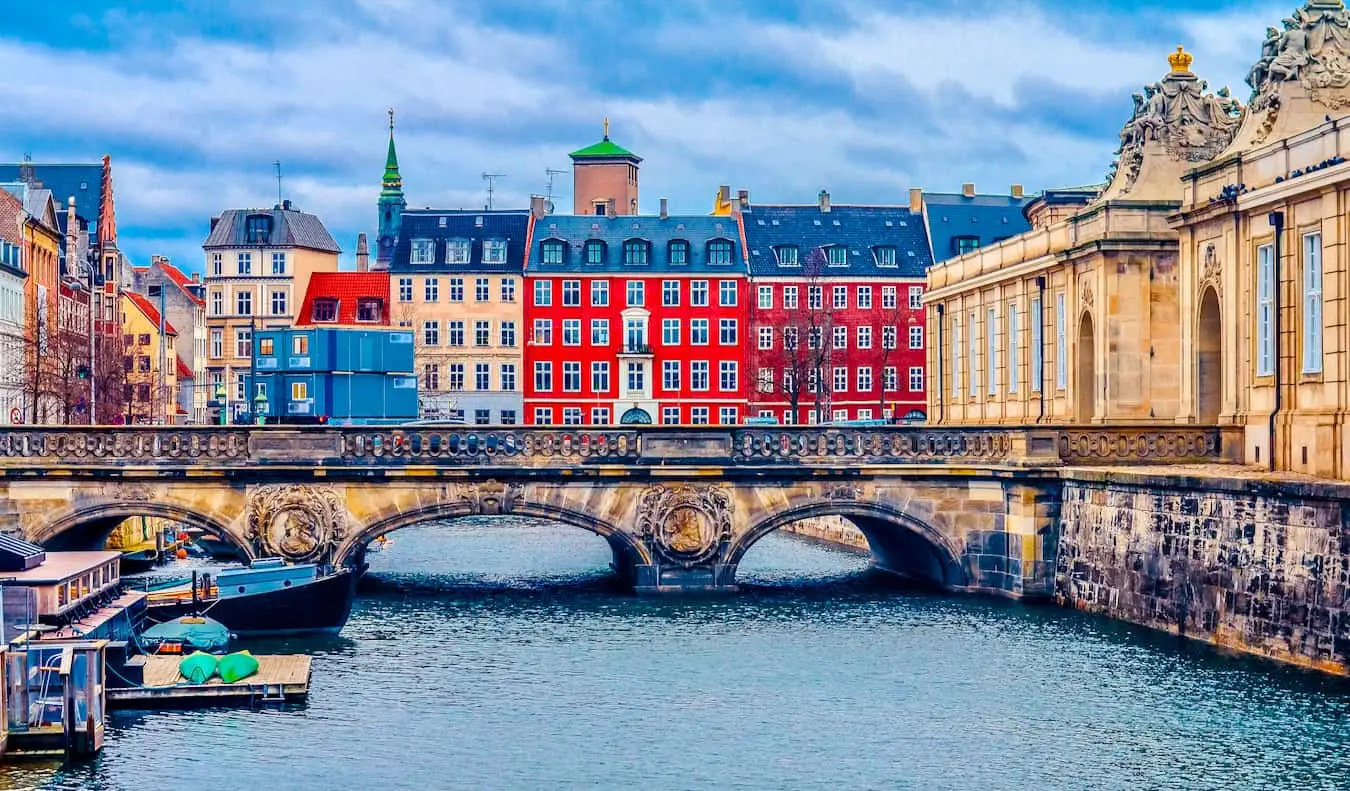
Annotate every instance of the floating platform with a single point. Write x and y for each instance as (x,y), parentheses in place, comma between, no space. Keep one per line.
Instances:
(280,679)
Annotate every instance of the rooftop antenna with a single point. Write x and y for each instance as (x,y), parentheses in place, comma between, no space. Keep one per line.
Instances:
(277,165)
(491,179)
(550,173)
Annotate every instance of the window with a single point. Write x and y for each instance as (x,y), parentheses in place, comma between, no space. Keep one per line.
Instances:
(889,381)
(635,252)
(571,293)
(508,417)
(600,416)
(766,337)
(670,416)
(787,255)
(789,338)
(456,377)
(839,339)
(324,310)
(456,289)
(815,298)
(278,263)
(789,381)
(243,303)
(836,255)
(278,303)
(991,349)
(884,256)
(966,244)
(670,332)
(508,333)
(789,297)
(719,252)
(698,332)
(698,416)
(543,293)
(635,293)
(405,289)
(244,263)
(670,374)
(670,293)
(571,377)
(143,339)
(635,335)
(423,252)
(973,364)
(482,333)
(143,364)
(551,251)
(217,303)
(457,252)
(595,252)
(840,379)
(299,391)
(726,332)
(915,297)
(1061,363)
(300,345)
(915,378)
(864,414)
(217,264)
(679,252)
(482,417)
(728,376)
(494,251)
(839,297)
(543,332)
(1012,348)
(481,292)
(1265,310)
(813,338)
(508,292)
(543,416)
(571,332)
(864,297)
(599,332)
(431,376)
(637,377)
(217,343)
(507,373)
(543,376)
(369,310)
(764,380)
(456,332)
(243,342)
(599,293)
(864,337)
(864,379)
(431,289)
(698,375)
(916,337)
(956,357)
(1312,303)
(727,415)
(1037,352)
(698,293)
(431,333)
(600,378)
(726,293)
(765,300)
(482,376)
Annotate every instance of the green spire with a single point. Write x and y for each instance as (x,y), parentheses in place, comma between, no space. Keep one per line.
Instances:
(605,149)
(393,182)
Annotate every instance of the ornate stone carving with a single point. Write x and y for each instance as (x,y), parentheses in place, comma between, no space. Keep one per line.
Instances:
(1211,274)
(1086,294)
(1313,49)
(490,498)
(685,524)
(844,491)
(133,492)
(300,523)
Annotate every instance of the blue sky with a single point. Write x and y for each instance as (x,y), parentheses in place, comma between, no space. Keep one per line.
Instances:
(195,99)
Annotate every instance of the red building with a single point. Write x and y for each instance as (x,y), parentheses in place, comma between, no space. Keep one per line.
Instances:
(635,319)
(836,323)
(345,299)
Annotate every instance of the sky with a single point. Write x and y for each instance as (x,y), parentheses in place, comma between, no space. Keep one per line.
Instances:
(196,99)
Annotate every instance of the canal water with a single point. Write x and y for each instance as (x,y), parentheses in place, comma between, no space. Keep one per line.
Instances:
(496,655)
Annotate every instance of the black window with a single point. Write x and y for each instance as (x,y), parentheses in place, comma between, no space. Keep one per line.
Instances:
(325,310)
(258,228)
(964,244)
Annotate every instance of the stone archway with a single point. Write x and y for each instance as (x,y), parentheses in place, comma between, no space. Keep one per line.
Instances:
(1209,360)
(89,526)
(1085,371)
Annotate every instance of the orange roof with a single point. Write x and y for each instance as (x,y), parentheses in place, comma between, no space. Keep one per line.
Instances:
(184,372)
(150,311)
(347,288)
(181,280)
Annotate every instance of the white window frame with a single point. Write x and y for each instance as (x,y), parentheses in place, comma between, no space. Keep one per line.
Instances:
(1012,348)
(1061,352)
(1313,321)
(1037,351)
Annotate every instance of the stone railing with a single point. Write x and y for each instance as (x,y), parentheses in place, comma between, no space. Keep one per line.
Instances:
(35,449)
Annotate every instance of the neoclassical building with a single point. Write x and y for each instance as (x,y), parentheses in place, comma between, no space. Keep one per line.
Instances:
(1205,284)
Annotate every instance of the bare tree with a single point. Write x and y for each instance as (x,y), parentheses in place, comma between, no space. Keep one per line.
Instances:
(890,317)
(804,351)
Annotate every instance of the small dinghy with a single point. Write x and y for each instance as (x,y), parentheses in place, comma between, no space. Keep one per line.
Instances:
(184,635)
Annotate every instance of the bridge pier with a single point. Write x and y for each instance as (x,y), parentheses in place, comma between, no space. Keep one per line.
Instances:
(672,578)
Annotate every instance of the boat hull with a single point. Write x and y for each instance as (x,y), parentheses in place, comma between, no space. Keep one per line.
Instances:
(318,607)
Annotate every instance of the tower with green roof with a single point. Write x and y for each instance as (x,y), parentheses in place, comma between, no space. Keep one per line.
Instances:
(605,178)
(391,204)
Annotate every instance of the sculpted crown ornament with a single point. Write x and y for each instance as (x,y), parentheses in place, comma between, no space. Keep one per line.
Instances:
(1313,51)
(1180,60)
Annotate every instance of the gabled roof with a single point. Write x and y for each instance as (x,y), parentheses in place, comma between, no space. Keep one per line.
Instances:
(84,182)
(860,229)
(576,230)
(347,288)
(988,218)
(179,279)
(289,228)
(148,309)
(442,225)
(184,372)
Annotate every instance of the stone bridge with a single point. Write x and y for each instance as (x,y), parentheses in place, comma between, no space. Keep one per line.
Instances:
(963,509)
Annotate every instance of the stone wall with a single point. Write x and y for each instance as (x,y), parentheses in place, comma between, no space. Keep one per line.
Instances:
(1243,563)
(834,530)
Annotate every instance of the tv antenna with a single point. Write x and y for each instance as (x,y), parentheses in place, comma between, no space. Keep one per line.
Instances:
(277,164)
(550,173)
(491,179)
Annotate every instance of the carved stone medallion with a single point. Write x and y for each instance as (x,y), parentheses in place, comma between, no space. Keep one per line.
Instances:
(685,524)
(300,523)
(490,497)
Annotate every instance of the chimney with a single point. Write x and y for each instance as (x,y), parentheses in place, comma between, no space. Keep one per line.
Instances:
(743,198)
(72,240)
(196,277)
(915,200)
(538,206)
(968,189)
(665,208)
(1017,192)
(724,194)
(362,253)
(286,205)
(824,202)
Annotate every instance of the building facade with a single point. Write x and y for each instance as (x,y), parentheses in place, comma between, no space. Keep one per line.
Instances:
(184,307)
(456,282)
(964,221)
(635,319)
(150,362)
(258,266)
(605,178)
(42,246)
(339,376)
(12,304)
(390,206)
(837,327)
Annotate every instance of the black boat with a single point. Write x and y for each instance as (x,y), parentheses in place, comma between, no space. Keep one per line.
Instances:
(268,598)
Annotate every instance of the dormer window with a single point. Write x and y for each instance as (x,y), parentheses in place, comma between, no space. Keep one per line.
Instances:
(679,252)
(719,252)
(635,252)
(494,251)
(787,255)
(595,252)
(884,255)
(257,228)
(552,251)
(456,251)
(836,255)
(423,252)
(324,310)
(371,310)
(965,244)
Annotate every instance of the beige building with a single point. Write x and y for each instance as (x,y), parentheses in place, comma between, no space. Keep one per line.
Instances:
(1206,284)
(258,265)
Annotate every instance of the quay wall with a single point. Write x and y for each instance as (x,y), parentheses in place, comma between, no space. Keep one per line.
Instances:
(1247,565)
(832,530)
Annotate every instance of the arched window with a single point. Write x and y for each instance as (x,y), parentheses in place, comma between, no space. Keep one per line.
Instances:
(636,252)
(719,252)
(552,251)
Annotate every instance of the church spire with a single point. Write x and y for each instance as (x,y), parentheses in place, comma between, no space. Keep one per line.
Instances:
(393,182)
(390,206)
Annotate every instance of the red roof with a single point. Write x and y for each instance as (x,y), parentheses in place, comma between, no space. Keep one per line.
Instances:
(184,372)
(183,281)
(150,311)
(347,288)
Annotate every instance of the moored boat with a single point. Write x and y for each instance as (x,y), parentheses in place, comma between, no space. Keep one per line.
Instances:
(268,598)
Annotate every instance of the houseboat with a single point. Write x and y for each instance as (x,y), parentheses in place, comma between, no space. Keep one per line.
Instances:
(268,598)
(64,595)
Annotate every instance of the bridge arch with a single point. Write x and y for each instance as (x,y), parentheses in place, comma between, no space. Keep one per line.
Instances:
(899,543)
(89,525)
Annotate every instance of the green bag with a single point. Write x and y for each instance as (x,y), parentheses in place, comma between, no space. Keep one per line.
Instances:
(236,666)
(197,667)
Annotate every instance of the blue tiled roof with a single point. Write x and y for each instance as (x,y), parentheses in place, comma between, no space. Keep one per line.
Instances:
(441,226)
(576,230)
(289,228)
(859,229)
(988,218)
(84,182)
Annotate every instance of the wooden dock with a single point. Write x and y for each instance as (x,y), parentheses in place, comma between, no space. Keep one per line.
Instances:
(280,678)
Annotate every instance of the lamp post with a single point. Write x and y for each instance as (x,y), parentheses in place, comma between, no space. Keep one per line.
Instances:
(260,407)
(220,401)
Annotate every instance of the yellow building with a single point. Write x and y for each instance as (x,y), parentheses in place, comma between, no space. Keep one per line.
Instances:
(258,265)
(149,362)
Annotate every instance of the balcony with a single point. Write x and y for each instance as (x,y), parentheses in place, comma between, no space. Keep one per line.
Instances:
(636,349)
